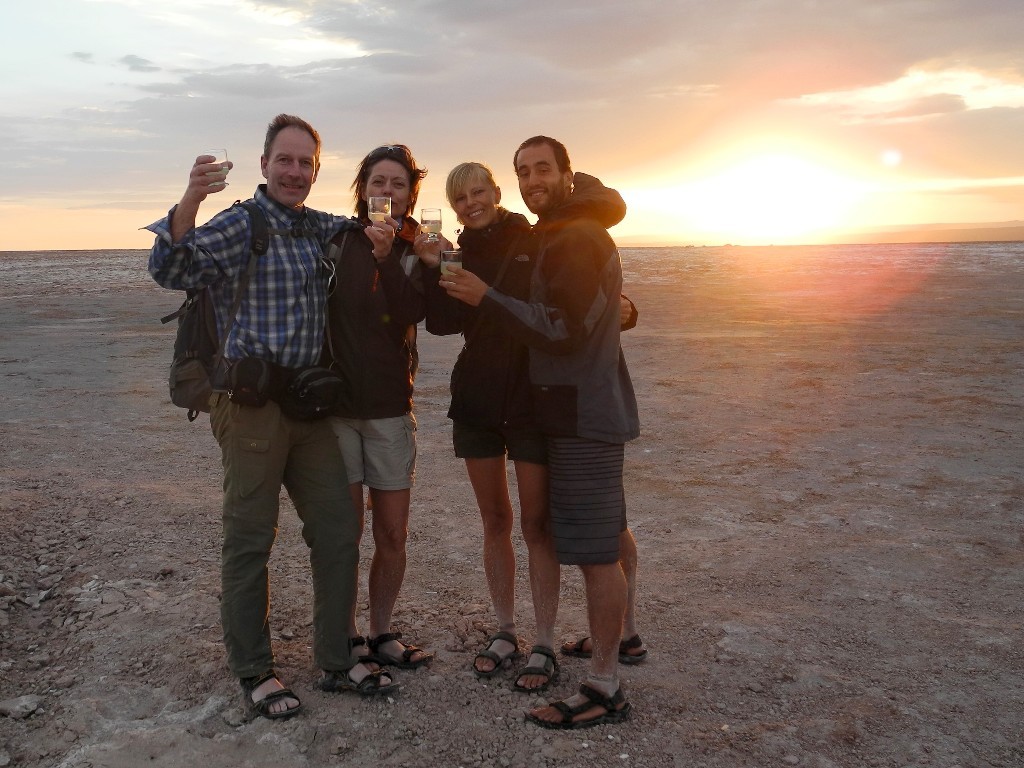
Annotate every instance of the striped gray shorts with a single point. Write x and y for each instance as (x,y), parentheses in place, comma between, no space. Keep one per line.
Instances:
(588,505)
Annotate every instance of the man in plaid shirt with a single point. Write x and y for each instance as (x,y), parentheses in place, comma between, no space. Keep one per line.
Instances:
(281,320)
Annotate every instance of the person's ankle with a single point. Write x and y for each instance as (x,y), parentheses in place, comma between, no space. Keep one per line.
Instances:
(606,684)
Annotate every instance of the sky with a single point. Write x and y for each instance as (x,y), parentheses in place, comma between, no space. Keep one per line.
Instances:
(737,121)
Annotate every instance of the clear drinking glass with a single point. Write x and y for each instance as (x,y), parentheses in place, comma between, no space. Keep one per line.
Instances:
(450,259)
(430,221)
(379,208)
(220,157)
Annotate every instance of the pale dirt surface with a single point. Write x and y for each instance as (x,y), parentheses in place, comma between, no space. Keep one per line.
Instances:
(827,497)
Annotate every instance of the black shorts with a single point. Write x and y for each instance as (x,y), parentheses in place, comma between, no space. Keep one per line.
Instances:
(518,443)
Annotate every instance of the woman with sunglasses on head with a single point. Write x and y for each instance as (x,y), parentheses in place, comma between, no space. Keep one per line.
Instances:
(373,308)
(492,411)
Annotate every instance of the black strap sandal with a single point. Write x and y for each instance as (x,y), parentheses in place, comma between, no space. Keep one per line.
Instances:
(373,684)
(497,658)
(408,651)
(579,651)
(616,710)
(625,657)
(549,670)
(263,706)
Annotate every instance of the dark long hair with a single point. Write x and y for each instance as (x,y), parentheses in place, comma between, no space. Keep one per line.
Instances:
(402,155)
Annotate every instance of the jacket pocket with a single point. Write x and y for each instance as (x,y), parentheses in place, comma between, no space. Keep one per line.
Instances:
(556,406)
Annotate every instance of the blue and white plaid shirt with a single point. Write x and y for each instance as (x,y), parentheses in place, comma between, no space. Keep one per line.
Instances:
(282,315)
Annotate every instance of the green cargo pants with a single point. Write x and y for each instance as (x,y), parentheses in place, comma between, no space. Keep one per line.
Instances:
(261,450)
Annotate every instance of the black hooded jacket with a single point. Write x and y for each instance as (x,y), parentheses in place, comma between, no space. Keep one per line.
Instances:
(490,383)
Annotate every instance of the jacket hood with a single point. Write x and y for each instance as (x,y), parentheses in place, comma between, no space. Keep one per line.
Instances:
(593,200)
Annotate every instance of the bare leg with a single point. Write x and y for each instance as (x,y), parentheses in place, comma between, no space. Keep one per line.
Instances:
(490,484)
(606,607)
(544,571)
(387,569)
(628,561)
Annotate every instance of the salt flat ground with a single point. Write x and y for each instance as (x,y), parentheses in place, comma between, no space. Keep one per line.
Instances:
(827,497)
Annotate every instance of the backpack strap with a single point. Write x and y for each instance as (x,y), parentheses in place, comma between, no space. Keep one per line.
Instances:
(260,242)
(333,255)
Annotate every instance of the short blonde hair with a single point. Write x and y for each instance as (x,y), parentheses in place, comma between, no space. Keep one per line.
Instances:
(465,174)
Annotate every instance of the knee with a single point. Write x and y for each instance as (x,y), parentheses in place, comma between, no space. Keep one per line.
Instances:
(536,527)
(497,520)
(245,536)
(390,538)
(536,532)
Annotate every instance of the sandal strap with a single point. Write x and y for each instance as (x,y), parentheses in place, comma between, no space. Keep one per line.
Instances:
(379,640)
(410,650)
(568,712)
(487,653)
(577,647)
(508,637)
(543,650)
(633,642)
(250,684)
(270,698)
(372,682)
(546,670)
(497,658)
(595,697)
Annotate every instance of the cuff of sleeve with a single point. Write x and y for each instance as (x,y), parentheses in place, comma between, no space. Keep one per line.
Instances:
(162,229)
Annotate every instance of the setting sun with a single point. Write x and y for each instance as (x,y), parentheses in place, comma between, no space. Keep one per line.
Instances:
(774,198)
(759,198)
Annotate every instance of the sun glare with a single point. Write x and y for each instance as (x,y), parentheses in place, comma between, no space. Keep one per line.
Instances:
(773,198)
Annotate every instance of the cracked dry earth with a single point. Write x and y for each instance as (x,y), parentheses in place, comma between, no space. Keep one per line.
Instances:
(827,497)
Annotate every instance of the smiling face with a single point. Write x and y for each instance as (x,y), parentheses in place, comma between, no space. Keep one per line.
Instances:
(388,178)
(476,203)
(542,185)
(291,167)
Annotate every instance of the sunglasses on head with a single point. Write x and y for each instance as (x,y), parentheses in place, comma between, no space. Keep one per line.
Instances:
(390,150)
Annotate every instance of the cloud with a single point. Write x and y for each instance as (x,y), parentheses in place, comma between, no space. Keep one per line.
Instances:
(928,106)
(641,87)
(921,93)
(139,64)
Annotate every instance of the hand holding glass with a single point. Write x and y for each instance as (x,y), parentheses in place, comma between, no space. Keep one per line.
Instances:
(220,157)
(450,259)
(430,221)
(378,208)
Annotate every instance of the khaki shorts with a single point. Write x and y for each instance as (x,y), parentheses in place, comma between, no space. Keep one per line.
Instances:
(379,453)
